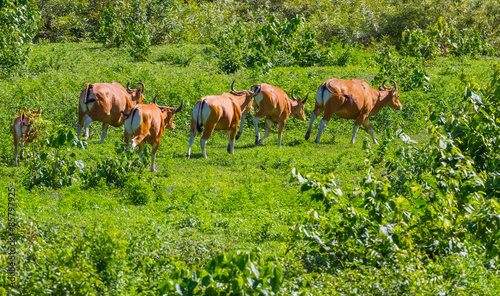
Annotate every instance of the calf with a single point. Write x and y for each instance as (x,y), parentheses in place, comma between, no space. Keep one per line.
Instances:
(274,104)
(23,130)
(146,123)
(352,99)
(105,102)
(222,112)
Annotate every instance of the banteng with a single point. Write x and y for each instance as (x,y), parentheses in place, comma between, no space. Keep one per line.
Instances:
(104,102)
(352,99)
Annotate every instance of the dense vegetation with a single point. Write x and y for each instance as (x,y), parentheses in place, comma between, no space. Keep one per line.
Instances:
(417,214)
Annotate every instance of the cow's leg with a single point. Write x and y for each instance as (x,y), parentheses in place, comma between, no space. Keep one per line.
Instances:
(281,127)
(314,114)
(88,120)
(23,143)
(361,118)
(104,131)
(80,123)
(141,147)
(153,155)
(191,137)
(17,137)
(209,129)
(126,138)
(269,123)
(321,127)
(242,122)
(231,137)
(369,129)
(256,125)
(136,141)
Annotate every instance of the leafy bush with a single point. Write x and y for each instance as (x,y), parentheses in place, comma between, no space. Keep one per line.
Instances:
(115,171)
(233,273)
(18,25)
(409,73)
(138,190)
(50,165)
(443,40)
(437,201)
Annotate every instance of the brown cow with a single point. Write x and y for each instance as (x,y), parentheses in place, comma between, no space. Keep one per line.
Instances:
(147,124)
(352,99)
(104,102)
(222,112)
(23,129)
(274,104)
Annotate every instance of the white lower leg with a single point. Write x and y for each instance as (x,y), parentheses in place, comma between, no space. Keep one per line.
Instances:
(320,130)
(88,120)
(16,149)
(104,133)
(203,144)
(279,139)
(153,158)
(370,131)
(242,121)
(132,145)
(313,117)
(266,134)
(256,125)
(354,132)
(231,145)
(191,140)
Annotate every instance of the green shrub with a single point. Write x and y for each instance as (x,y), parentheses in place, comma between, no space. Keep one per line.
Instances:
(50,163)
(138,190)
(18,24)
(114,170)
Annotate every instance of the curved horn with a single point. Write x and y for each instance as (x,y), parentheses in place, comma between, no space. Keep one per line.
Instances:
(383,84)
(304,101)
(394,83)
(154,100)
(180,107)
(128,88)
(293,97)
(232,85)
(143,87)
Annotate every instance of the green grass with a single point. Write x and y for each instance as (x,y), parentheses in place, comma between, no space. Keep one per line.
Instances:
(201,206)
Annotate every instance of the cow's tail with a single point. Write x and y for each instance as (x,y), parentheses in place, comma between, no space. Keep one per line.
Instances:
(86,99)
(199,120)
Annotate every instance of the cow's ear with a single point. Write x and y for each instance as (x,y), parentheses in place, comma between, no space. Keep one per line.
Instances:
(21,115)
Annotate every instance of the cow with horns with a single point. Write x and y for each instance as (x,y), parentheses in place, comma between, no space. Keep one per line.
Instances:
(352,99)
(104,102)
(23,129)
(146,124)
(219,112)
(274,104)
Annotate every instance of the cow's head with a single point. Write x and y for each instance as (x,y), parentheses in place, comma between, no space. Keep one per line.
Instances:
(29,116)
(299,110)
(137,95)
(393,95)
(249,94)
(168,114)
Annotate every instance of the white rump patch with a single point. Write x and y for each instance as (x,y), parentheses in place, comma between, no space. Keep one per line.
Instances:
(205,112)
(258,98)
(133,122)
(322,95)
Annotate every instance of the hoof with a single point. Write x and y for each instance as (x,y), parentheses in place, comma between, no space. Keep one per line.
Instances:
(316,141)
(228,148)
(257,141)
(307,136)
(238,135)
(188,156)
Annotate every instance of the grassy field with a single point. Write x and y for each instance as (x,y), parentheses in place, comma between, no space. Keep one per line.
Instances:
(195,209)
